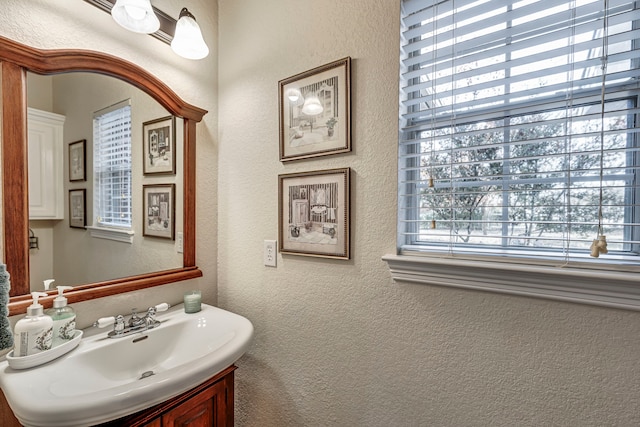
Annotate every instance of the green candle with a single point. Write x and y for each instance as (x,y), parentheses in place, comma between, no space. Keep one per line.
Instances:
(192,301)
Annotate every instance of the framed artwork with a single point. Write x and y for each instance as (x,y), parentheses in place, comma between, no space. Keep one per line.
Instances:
(77,208)
(78,160)
(159,210)
(315,112)
(314,213)
(159,150)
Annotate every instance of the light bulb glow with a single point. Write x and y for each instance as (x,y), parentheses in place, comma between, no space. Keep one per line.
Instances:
(135,12)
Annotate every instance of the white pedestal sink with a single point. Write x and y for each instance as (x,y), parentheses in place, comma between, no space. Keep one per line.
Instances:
(106,378)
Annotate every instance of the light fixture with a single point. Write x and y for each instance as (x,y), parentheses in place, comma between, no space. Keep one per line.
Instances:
(294,95)
(136,16)
(187,40)
(312,106)
(183,35)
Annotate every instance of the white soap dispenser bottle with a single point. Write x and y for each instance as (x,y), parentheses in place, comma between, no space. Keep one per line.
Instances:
(34,332)
(64,318)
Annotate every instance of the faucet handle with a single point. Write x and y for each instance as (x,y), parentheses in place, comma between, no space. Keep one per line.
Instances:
(103,322)
(119,327)
(162,307)
(151,311)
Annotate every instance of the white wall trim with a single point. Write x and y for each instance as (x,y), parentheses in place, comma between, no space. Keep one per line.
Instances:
(125,236)
(619,289)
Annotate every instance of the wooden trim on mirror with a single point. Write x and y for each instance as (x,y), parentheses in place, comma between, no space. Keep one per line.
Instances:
(189,193)
(58,61)
(15,201)
(20,303)
(15,60)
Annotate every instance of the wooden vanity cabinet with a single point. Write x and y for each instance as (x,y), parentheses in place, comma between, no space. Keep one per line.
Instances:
(209,404)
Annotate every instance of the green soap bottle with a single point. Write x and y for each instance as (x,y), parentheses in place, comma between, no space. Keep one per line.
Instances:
(64,318)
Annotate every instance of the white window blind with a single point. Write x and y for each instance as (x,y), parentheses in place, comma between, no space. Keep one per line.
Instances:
(518,127)
(112,166)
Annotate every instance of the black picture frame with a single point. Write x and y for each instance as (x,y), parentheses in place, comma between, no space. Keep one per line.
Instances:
(78,160)
(159,146)
(78,208)
(159,210)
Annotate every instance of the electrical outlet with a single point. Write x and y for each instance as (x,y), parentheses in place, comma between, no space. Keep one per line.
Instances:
(179,242)
(270,253)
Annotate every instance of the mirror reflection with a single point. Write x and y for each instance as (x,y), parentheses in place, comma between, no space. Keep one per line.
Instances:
(62,113)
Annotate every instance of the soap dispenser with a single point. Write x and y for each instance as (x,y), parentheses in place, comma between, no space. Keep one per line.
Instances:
(64,318)
(34,331)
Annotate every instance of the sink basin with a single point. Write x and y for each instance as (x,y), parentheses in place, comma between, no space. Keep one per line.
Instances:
(104,379)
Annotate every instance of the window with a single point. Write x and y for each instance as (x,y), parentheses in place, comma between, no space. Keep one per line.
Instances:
(503,145)
(112,166)
(518,132)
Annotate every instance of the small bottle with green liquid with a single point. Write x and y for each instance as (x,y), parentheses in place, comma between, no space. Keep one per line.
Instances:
(64,318)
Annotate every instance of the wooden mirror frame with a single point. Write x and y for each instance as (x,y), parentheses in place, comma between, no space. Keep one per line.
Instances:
(15,60)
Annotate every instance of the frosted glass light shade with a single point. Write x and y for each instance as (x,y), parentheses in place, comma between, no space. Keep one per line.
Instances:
(312,106)
(136,16)
(294,95)
(187,40)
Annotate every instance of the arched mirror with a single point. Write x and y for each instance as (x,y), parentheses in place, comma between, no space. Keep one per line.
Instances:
(81,84)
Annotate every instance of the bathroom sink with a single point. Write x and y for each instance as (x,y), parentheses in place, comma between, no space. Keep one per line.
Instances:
(106,378)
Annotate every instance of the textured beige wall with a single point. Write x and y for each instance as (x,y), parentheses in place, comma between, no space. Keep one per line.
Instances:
(77,24)
(337,342)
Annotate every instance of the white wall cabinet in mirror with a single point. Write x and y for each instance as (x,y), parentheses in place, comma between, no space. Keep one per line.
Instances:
(45,133)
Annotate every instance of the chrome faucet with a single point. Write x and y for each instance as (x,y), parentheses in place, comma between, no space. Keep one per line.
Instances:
(134,320)
(135,323)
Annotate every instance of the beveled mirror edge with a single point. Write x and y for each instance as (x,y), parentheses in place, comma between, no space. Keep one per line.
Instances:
(15,60)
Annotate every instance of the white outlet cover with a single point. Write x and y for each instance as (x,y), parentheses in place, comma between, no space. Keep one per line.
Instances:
(270,253)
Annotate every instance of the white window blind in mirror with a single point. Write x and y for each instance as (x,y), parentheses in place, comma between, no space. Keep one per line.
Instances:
(518,129)
(112,166)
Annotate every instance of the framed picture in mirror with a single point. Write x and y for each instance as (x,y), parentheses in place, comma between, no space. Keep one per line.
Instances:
(159,150)
(314,213)
(77,160)
(77,208)
(159,210)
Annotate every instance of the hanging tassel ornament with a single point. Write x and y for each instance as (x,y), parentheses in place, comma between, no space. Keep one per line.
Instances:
(599,246)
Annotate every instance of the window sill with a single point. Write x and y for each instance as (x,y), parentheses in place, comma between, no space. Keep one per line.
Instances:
(619,289)
(119,235)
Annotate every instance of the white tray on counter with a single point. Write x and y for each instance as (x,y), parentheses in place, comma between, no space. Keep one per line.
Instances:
(24,362)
